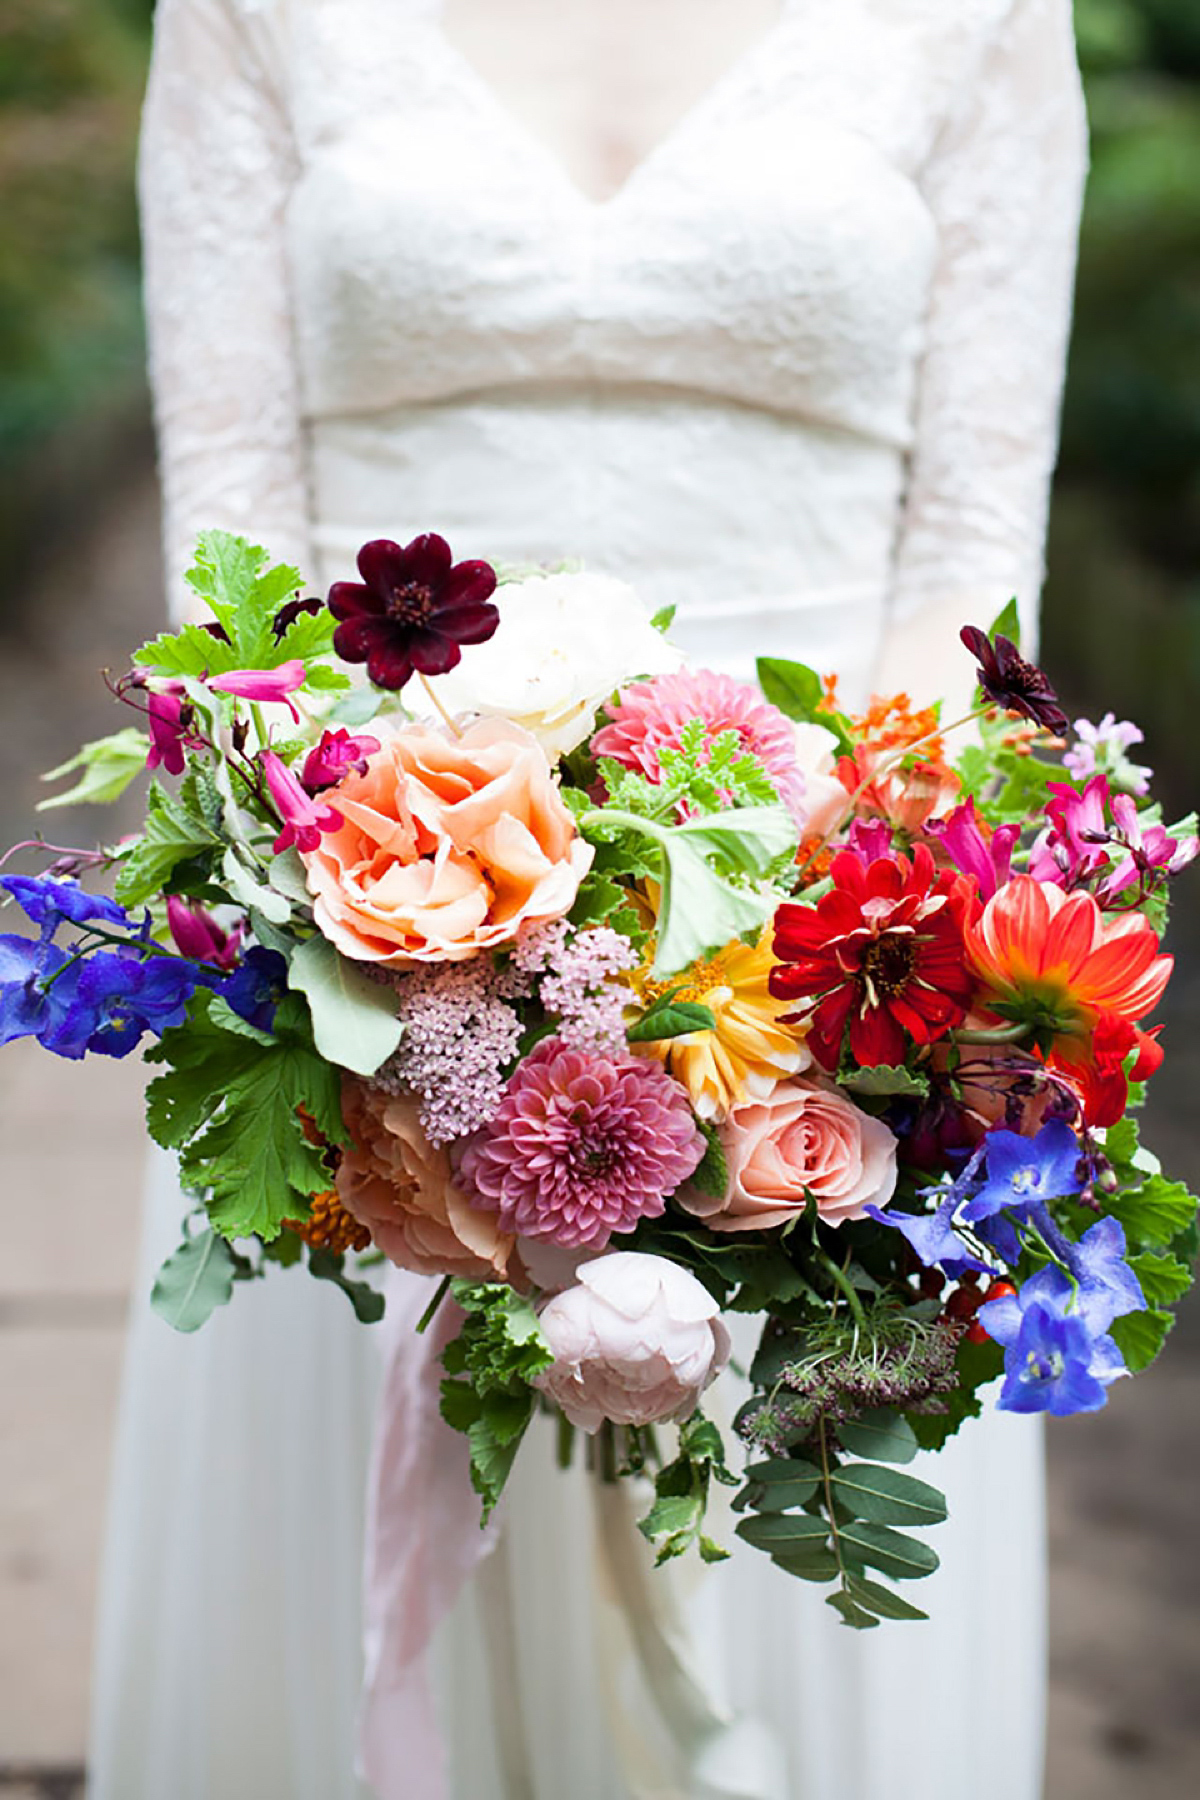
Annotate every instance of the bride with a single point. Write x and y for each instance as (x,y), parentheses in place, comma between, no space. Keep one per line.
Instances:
(761,304)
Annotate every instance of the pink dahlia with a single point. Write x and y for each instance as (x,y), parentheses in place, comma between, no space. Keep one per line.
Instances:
(583,1145)
(650,716)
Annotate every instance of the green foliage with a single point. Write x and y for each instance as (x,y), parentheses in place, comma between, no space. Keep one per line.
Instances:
(491,1365)
(229,1105)
(194,1281)
(367,1301)
(354,1019)
(704,774)
(176,830)
(106,767)
(670,1018)
(711,1175)
(798,693)
(681,1487)
(1140,1336)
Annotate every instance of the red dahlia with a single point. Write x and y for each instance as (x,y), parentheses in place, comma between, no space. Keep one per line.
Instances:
(882,955)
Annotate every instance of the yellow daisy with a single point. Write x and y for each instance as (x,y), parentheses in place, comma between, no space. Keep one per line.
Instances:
(749,1050)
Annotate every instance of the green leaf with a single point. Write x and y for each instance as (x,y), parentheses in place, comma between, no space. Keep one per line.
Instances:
(886,1496)
(781,1496)
(852,1614)
(882,1435)
(229,573)
(809,1562)
(903,1558)
(701,911)
(108,766)
(791,686)
(461,1405)
(780,1533)
(1140,1336)
(193,1282)
(174,832)
(367,1301)
(1156,1213)
(354,1019)
(711,1175)
(886,1079)
(711,1552)
(1162,1279)
(878,1599)
(664,618)
(189,651)
(492,1461)
(673,1513)
(1007,623)
(671,1019)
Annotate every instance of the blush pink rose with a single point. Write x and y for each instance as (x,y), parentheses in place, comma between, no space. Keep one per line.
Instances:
(397,1184)
(804,1138)
(449,846)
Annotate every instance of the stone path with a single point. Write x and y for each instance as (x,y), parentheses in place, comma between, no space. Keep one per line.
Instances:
(1124,1485)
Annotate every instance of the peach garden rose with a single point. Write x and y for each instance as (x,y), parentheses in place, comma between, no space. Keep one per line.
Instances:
(401,1187)
(804,1138)
(448,846)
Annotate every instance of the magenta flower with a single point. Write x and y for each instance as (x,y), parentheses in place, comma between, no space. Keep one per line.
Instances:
(649,718)
(272,685)
(987,856)
(413,611)
(198,936)
(1074,847)
(335,756)
(170,717)
(583,1145)
(871,838)
(303,818)
(1150,853)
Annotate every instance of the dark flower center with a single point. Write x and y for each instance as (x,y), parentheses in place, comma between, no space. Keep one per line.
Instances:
(887,966)
(411,603)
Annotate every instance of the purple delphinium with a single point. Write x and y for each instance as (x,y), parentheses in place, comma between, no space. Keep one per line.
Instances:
(1100,750)
(1055,1358)
(37,988)
(117,999)
(461,1035)
(52,902)
(577,982)
(256,987)
(1021,1172)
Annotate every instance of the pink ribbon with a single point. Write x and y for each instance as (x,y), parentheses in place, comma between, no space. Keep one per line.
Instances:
(423,1541)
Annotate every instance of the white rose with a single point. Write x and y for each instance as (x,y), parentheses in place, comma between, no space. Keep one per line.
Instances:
(825,799)
(637,1340)
(563,644)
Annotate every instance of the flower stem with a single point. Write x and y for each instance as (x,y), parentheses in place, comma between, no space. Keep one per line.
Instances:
(427,1317)
(435,700)
(842,1281)
(566,1441)
(1003,1034)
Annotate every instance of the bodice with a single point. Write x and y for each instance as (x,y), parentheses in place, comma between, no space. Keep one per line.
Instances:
(800,369)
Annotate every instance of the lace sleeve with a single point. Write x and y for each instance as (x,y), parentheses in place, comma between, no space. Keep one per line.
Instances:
(1005,185)
(215,170)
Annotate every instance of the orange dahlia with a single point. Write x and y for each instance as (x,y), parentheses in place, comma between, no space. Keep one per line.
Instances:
(1080,979)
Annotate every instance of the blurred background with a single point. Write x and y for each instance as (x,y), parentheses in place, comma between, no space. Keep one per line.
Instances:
(80,580)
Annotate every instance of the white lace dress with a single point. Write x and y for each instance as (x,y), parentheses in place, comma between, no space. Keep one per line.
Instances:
(800,375)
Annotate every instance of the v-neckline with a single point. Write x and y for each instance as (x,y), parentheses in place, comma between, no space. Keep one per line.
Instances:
(515,127)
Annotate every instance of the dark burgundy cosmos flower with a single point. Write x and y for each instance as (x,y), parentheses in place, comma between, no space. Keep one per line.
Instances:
(1011,682)
(415,608)
(882,955)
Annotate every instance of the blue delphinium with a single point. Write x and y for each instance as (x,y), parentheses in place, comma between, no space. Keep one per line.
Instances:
(37,986)
(1021,1172)
(118,999)
(49,902)
(256,987)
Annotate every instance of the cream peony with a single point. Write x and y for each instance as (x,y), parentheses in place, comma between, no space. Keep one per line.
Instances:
(804,1138)
(637,1340)
(563,644)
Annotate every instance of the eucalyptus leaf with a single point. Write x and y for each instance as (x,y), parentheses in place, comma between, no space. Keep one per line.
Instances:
(194,1281)
(353,1017)
(887,1496)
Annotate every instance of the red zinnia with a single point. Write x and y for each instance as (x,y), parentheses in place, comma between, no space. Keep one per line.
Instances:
(882,954)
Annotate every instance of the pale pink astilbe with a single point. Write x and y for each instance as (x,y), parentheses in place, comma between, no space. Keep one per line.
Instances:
(577,978)
(582,1145)
(649,717)
(461,1033)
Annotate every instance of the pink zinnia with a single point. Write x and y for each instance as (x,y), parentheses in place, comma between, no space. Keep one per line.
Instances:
(650,716)
(583,1145)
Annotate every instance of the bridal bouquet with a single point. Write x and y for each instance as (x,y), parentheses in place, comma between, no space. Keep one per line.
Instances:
(623,997)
